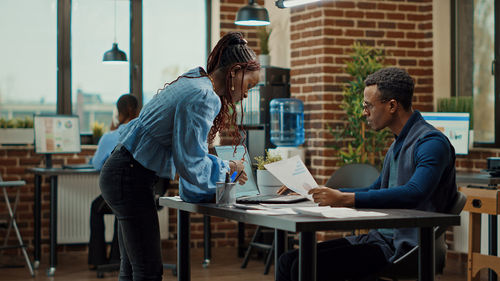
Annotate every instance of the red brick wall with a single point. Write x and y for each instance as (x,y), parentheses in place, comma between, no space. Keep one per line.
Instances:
(321,39)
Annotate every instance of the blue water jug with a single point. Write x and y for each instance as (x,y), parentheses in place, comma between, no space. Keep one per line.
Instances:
(287,122)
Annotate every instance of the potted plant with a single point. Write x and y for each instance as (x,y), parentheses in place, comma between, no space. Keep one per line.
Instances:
(97,131)
(263,33)
(16,131)
(267,183)
(363,145)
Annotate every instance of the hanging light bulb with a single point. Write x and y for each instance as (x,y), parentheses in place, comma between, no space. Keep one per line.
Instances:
(115,55)
(252,15)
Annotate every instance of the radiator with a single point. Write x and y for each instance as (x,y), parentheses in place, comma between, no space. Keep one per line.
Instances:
(75,195)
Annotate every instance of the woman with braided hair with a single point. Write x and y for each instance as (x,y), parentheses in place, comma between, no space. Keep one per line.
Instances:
(171,135)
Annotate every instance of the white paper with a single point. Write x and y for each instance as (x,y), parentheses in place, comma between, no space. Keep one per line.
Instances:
(294,174)
(289,205)
(274,212)
(336,212)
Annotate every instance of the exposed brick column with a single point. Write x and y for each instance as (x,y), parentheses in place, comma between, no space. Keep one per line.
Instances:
(321,37)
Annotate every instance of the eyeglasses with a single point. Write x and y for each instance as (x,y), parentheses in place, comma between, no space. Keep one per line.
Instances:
(369,106)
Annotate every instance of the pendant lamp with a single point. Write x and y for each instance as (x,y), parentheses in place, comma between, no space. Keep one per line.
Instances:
(252,15)
(115,55)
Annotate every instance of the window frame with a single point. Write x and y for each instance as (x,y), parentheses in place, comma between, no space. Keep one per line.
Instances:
(460,13)
(64,102)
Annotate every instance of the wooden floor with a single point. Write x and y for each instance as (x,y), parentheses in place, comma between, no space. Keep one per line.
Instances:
(225,266)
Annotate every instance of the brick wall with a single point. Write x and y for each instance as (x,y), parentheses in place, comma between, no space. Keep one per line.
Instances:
(321,39)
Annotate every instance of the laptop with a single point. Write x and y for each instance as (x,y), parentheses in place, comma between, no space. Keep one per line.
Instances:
(249,192)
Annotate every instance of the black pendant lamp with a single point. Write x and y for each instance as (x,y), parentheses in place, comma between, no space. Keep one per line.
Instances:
(252,15)
(115,55)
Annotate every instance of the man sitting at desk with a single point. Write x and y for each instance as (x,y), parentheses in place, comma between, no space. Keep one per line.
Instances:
(127,110)
(418,173)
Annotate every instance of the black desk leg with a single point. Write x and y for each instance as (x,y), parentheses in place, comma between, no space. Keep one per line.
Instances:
(492,243)
(207,240)
(426,254)
(38,217)
(279,248)
(53,226)
(241,240)
(307,256)
(183,235)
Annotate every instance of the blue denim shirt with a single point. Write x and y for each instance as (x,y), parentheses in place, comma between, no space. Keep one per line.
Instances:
(106,144)
(170,135)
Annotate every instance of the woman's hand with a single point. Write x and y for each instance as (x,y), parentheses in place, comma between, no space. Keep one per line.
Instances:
(326,196)
(239,167)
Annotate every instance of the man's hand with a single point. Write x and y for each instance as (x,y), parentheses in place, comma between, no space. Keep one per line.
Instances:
(326,196)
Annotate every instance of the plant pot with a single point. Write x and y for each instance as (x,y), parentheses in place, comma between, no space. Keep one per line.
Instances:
(264,60)
(17,136)
(267,183)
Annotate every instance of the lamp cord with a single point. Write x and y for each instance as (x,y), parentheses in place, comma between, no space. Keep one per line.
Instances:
(115,23)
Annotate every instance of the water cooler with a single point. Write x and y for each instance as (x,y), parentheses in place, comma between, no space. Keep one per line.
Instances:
(287,127)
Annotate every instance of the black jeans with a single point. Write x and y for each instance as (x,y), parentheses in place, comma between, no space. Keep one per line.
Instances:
(128,189)
(336,260)
(97,243)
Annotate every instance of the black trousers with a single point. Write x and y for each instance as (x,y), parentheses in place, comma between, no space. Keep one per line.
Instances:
(336,260)
(97,243)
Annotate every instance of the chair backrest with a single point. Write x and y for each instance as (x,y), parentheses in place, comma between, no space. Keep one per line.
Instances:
(353,175)
(456,209)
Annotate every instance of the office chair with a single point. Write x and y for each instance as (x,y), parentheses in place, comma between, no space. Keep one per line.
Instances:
(352,176)
(407,266)
(10,221)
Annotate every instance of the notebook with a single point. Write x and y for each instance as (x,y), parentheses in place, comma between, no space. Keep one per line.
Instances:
(249,192)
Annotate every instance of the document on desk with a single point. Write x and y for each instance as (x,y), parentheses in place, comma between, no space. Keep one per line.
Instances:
(336,212)
(294,174)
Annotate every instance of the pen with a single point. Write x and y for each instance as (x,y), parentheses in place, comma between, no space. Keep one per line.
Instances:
(235,179)
(221,195)
(233,176)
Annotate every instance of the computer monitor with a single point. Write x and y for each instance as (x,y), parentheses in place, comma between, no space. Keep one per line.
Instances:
(454,125)
(226,153)
(56,134)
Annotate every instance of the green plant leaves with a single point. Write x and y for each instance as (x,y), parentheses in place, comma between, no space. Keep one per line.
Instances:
(363,145)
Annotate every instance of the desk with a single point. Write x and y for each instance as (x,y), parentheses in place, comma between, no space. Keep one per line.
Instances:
(307,226)
(53,173)
(481,201)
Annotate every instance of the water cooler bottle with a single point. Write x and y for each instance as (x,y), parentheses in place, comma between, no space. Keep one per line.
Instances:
(287,126)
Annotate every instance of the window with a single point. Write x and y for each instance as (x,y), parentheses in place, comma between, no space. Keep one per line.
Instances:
(28,82)
(96,86)
(474,74)
(172,42)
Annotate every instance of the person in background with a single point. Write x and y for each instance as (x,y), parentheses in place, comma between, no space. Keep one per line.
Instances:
(128,109)
(172,134)
(418,173)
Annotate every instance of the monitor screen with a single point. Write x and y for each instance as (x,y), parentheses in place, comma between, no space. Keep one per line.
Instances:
(226,153)
(56,134)
(454,125)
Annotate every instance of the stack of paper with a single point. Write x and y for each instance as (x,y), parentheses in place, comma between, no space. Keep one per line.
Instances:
(336,212)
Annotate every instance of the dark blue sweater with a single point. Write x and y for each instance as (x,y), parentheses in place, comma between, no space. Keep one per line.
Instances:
(425,179)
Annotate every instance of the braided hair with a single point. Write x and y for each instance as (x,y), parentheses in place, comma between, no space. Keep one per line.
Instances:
(230,53)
